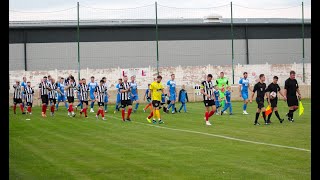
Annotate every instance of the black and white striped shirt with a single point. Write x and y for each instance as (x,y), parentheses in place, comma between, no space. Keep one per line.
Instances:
(124,95)
(17,91)
(208,89)
(44,88)
(53,92)
(70,91)
(29,94)
(100,90)
(84,91)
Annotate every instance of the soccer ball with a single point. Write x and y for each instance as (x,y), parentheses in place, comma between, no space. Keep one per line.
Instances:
(273,95)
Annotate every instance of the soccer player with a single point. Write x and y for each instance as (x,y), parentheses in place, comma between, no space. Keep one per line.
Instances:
(53,95)
(29,97)
(146,95)
(92,86)
(227,96)
(43,94)
(17,97)
(61,94)
(83,89)
(207,91)
(244,85)
(291,88)
(260,88)
(156,90)
(69,87)
(99,94)
(79,96)
(106,97)
(171,84)
(134,92)
(274,87)
(118,100)
(23,85)
(222,83)
(217,98)
(183,98)
(124,89)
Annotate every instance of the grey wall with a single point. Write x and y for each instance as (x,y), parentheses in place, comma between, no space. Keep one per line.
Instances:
(16,57)
(96,55)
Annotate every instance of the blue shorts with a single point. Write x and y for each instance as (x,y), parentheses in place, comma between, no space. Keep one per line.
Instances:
(134,97)
(244,95)
(217,103)
(92,97)
(118,99)
(172,97)
(61,98)
(106,99)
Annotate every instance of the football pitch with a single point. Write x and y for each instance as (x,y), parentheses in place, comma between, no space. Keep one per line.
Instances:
(62,147)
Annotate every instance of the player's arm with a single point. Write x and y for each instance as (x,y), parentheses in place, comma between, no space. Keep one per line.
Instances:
(253,92)
(240,84)
(145,94)
(187,97)
(286,85)
(168,88)
(202,90)
(179,95)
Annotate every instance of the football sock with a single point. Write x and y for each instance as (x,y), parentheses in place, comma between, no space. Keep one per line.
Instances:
(122,113)
(137,105)
(269,116)
(14,108)
(129,112)
(21,107)
(92,103)
(277,114)
(207,116)
(244,107)
(264,116)
(257,116)
(151,114)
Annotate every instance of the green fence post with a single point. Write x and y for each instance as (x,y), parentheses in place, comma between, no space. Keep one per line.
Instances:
(157,37)
(78,39)
(232,44)
(303,70)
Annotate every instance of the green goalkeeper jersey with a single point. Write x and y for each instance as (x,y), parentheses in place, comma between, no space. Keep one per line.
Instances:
(222,83)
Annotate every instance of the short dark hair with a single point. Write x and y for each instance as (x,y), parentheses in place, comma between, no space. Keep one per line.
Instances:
(62,78)
(172,74)
(210,75)
(101,81)
(83,79)
(120,79)
(292,72)
(261,75)
(92,76)
(275,77)
(245,73)
(44,76)
(104,78)
(159,76)
(28,82)
(222,72)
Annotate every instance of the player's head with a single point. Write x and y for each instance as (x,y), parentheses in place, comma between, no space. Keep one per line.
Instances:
(215,87)
(92,78)
(120,80)
(24,79)
(49,77)
(61,80)
(173,76)
(149,86)
(72,79)
(101,82)
(17,82)
(133,78)
(275,79)
(53,80)
(221,74)
(292,75)
(229,88)
(183,86)
(83,80)
(125,78)
(209,77)
(45,78)
(262,77)
(29,83)
(104,79)
(159,78)
(245,75)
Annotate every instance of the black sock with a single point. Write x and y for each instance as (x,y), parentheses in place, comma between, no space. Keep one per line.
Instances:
(257,116)
(277,114)
(291,114)
(269,116)
(264,116)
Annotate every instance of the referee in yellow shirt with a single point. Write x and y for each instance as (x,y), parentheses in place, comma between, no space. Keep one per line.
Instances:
(156,90)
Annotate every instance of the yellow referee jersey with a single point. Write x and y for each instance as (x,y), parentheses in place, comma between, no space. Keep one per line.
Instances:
(156,89)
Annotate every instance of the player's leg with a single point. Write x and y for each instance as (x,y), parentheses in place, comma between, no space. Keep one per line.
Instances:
(206,114)
(275,110)
(53,103)
(122,109)
(14,106)
(106,100)
(29,106)
(92,102)
(245,96)
(180,107)
(58,101)
(45,101)
(19,101)
(230,108)
(226,106)
(222,104)
(137,103)
(213,108)
(129,104)
(292,103)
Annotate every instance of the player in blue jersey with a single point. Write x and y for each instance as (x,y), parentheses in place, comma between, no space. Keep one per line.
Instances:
(92,86)
(134,92)
(227,96)
(106,95)
(118,99)
(149,103)
(171,84)
(217,98)
(244,85)
(61,94)
(24,86)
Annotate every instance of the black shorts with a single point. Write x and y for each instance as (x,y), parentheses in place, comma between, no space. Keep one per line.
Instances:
(84,102)
(274,102)
(44,99)
(29,104)
(70,99)
(17,101)
(156,103)
(260,102)
(168,101)
(125,103)
(99,103)
(292,101)
(53,100)
(208,103)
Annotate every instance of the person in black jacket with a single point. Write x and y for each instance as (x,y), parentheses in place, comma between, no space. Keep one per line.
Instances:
(183,96)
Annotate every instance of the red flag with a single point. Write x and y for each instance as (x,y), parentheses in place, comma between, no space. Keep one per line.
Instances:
(268,110)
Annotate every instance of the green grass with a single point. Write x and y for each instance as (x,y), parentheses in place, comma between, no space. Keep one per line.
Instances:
(60,147)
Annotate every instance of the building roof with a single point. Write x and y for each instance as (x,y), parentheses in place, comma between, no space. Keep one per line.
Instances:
(144,22)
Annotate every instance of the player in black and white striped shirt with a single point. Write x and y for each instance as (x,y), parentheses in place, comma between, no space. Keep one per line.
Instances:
(43,94)
(70,86)
(29,97)
(53,94)
(208,97)
(17,97)
(99,93)
(124,89)
(84,91)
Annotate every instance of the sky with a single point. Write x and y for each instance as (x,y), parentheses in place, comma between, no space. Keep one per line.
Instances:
(93,9)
